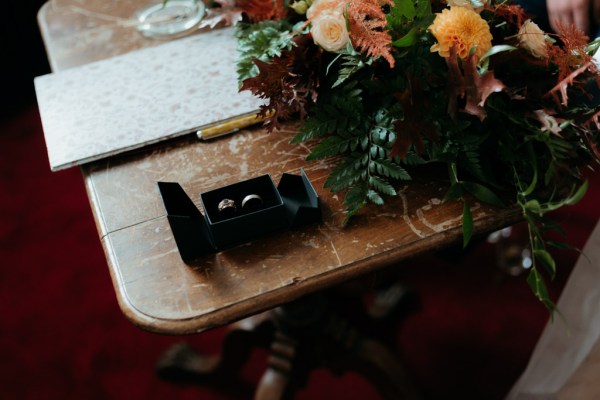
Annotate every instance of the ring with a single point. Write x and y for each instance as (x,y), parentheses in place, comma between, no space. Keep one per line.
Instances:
(226,206)
(252,201)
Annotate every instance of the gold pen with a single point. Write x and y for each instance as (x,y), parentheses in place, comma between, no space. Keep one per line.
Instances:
(230,125)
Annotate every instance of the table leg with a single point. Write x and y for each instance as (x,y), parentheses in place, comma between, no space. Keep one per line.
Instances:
(302,335)
(311,335)
(181,364)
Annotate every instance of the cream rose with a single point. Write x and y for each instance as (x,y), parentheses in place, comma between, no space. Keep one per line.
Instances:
(533,39)
(329,31)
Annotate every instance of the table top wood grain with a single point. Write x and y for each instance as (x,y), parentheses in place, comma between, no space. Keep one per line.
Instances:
(155,288)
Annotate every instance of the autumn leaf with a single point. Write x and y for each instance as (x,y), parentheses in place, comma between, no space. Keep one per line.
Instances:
(288,82)
(456,83)
(479,87)
(548,123)
(592,125)
(513,13)
(414,124)
(562,86)
(213,19)
(470,85)
(227,14)
(595,120)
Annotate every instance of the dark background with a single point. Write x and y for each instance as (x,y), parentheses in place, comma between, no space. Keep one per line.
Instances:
(23,55)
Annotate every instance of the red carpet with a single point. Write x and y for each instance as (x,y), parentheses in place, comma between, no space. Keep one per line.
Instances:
(64,337)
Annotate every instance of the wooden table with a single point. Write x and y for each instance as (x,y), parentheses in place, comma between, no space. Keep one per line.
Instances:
(160,293)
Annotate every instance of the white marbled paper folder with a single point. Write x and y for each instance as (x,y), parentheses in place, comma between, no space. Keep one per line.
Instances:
(129,101)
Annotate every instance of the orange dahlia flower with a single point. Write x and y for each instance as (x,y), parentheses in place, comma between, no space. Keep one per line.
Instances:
(463,28)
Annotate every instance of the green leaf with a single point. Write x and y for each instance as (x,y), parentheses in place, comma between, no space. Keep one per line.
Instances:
(455,192)
(533,183)
(547,260)
(382,186)
(333,62)
(482,193)
(405,8)
(549,174)
(453,171)
(374,197)
(467,224)
(342,176)
(352,61)
(330,146)
(533,206)
(470,160)
(561,245)
(343,141)
(484,62)
(355,199)
(575,198)
(538,286)
(387,167)
(496,50)
(407,40)
(423,9)
(308,131)
(549,225)
(262,41)
(364,142)
(546,207)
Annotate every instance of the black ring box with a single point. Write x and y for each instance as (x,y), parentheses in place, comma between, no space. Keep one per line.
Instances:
(292,203)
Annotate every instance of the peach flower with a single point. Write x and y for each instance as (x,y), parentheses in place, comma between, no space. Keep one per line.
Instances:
(463,28)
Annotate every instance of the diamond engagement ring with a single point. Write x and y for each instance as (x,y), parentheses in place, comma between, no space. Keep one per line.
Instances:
(227,207)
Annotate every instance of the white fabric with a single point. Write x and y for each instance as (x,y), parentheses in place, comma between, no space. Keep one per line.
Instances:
(566,361)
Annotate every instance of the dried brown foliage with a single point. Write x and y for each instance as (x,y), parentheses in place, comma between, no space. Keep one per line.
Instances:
(572,62)
(260,10)
(570,54)
(469,85)
(513,13)
(289,82)
(367,28)
(414,124)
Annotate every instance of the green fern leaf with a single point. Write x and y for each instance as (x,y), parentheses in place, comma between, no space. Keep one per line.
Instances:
(343,175)
(331,146)
(389,168)
(374,197)
(382,186)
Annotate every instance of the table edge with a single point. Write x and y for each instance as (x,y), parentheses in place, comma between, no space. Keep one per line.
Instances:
(297,289)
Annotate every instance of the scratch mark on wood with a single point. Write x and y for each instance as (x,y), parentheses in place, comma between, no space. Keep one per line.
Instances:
(311,243)
(336,254)
(405,217)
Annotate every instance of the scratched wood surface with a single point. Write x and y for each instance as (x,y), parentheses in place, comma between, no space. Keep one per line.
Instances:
(160,293)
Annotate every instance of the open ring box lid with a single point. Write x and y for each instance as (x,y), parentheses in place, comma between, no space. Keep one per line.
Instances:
(292,203)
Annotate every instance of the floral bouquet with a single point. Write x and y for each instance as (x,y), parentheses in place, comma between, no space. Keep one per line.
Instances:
(384,85)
